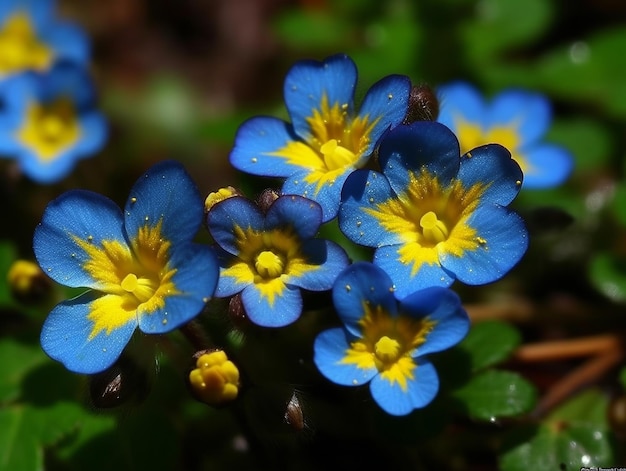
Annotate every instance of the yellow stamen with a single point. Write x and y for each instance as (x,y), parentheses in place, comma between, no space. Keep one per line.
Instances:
(335,155)
(387,349)
(269,265)
(433,229)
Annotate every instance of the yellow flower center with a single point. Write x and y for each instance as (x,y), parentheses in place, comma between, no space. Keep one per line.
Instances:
(143,288)
(434,230)
(50,129)
(20,48)
(269,265)
(387,350)
(335,155)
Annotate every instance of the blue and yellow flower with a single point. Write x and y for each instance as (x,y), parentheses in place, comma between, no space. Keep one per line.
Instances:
(32,38)
(432,215)
(516,119)
(384,340)
(141,266)
(270,257)
(50,121)
(327,138)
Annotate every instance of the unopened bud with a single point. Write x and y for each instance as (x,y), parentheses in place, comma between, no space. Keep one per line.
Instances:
(266,199)
(215,380)
(27,281)
(423,105)
(218,196)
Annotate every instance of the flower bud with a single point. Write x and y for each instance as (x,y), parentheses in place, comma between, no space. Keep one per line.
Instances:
(423,104)
(215,380)
(118,385)
(218,196)
(266,199)
(27,281)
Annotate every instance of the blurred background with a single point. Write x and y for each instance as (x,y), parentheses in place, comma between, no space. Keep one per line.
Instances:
(176,79)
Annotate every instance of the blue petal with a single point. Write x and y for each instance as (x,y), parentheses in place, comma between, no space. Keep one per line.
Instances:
(329,259)
(285,309)
(364,189)
(329,349)
(359,285)
(452,322)
(65,337)
(422,145)
(327,195)
(81,214)
(460,99)
(236,211)
(40,12)
(420,391)
(66,79)
(529,113)
(505,242)
(404,280)
(386,103)
(548,166)
(256,140)
(492,167)
(68,41)
(165,193)
(195,280)
(303,215)
(309,81)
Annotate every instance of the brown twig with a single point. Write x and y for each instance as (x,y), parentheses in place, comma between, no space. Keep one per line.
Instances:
(570,348)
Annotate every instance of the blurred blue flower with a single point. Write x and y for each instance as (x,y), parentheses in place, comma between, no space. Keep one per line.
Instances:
(433,215)
(327,138)
(49,121)
(270,257)
(516,119)
(33,39)
(385,339)
(141,266)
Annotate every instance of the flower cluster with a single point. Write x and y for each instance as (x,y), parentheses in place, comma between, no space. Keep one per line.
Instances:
(49,118)
(430,210)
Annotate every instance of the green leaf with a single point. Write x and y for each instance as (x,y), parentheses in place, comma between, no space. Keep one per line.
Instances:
(608,275)
(20,450)
(7,257)
(294,28)
(489,343)
(512,22)
(17,359)
(573,436)
(618,204)
(494,394)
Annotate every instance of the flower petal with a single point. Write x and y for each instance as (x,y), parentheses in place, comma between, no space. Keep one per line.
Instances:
(504,242)
(363,190)
(420,390)
(281,305)
(165,194)
(66,332)
(329,350)
(442,306)
(548,166)
(386,103)
(529,113)
(492,168)
(194,284)
(303,215)
(76,215)
(460,100)
(359,285)
(324,261)
(422,271)
(308,82)
(257,143)
(234,212)
(326,194)
(420,146)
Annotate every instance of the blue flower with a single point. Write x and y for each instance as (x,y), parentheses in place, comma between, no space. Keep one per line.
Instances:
(516,119)
(33,39)
(270,257)
(327,138)
(433,215)
(385,339)
(50,121)
(141,266)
